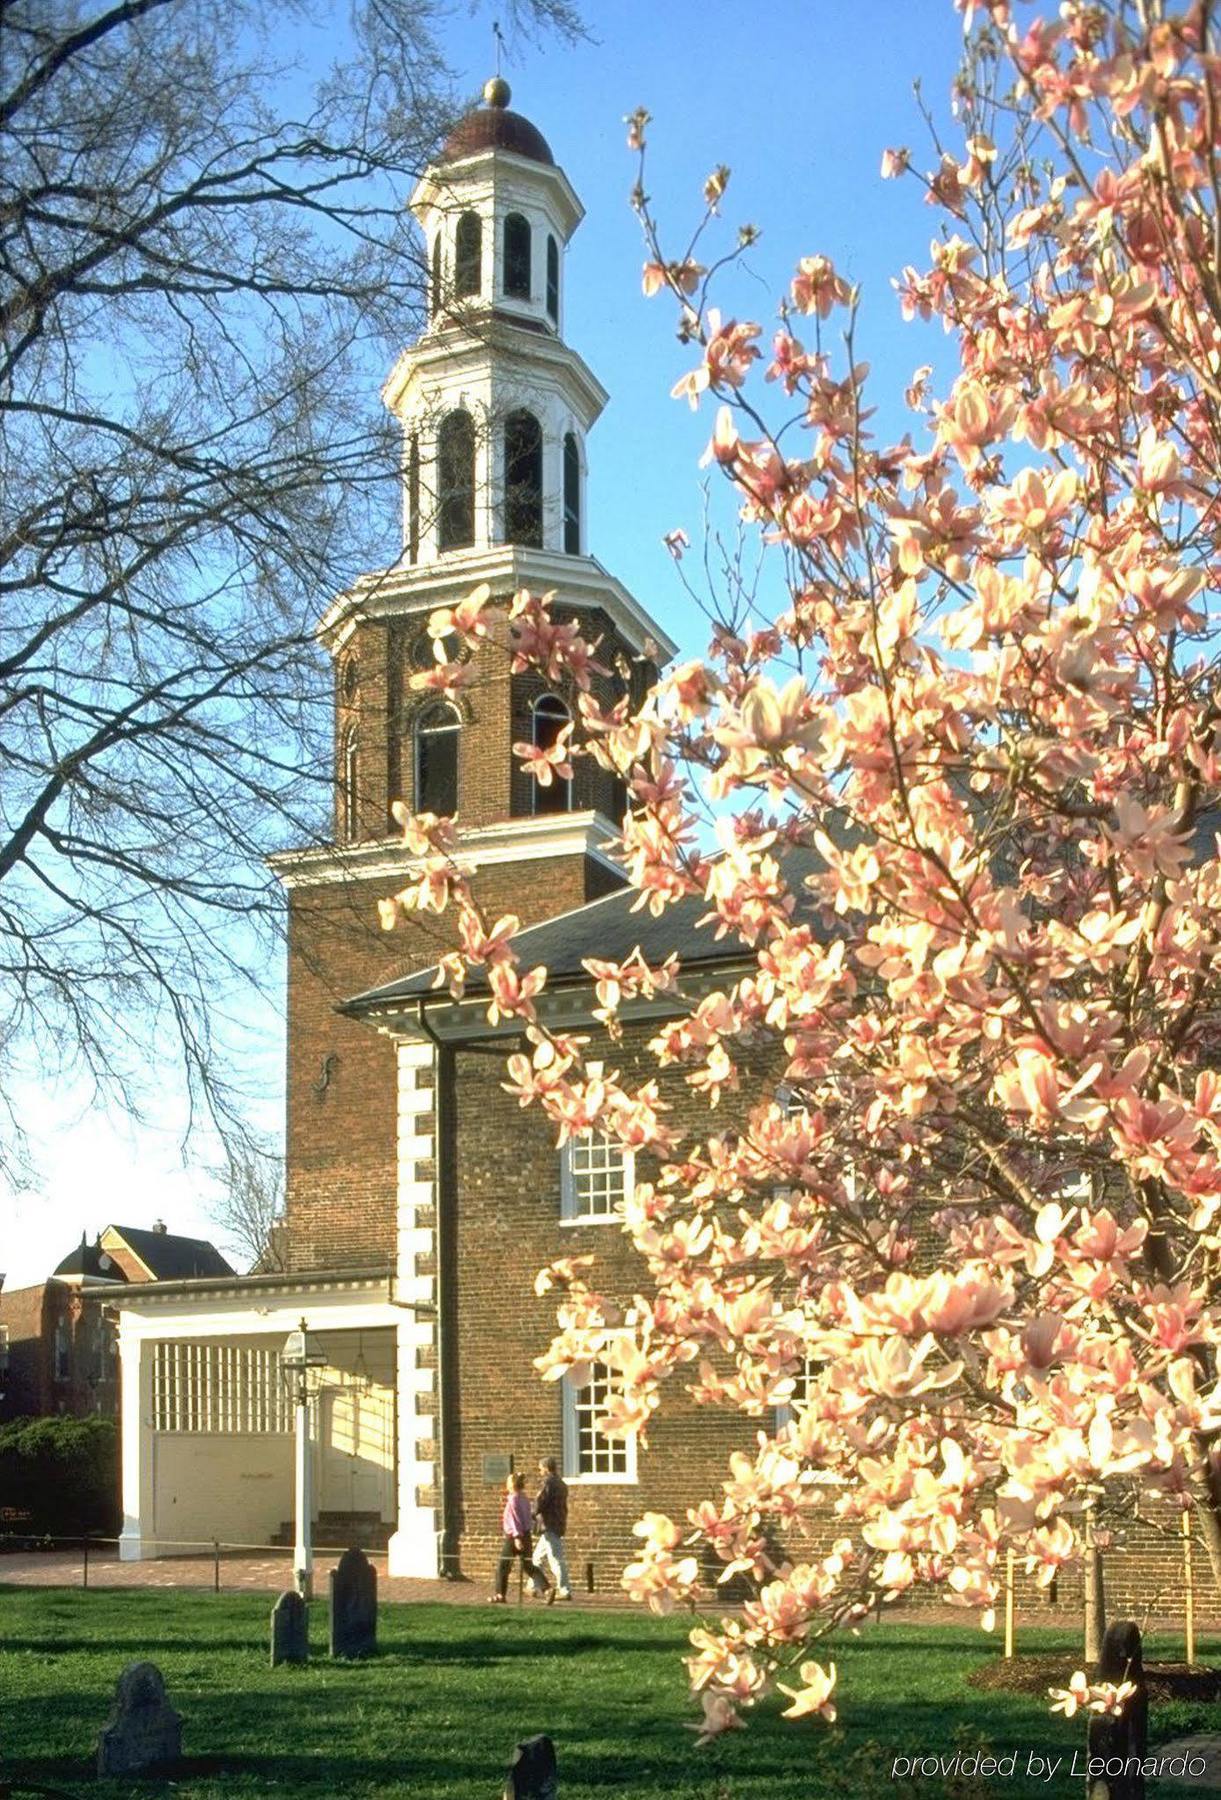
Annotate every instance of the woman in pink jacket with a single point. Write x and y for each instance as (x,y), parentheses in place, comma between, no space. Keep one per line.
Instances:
(515,1522)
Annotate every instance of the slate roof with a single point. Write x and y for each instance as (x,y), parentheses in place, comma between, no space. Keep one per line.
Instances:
(169,1257)
(91,1262)
(609,930)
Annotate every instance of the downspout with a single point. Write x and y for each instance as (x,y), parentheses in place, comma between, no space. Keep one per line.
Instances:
(443,1151)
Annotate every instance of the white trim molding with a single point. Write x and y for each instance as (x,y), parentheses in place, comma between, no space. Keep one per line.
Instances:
(489,846)
(415,1548)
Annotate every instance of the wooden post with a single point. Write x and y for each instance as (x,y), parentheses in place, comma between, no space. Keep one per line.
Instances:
(589,1576)
(1189,1595)
(1009,1601)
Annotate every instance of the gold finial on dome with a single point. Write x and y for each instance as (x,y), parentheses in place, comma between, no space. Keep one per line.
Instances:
(497,92)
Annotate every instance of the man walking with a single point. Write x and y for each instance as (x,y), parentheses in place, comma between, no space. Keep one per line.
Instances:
(551,1512)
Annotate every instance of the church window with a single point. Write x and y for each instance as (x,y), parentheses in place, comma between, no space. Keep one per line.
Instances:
(413,497)
(523,479)
(434,292)
(589,1455)
(456,480)
(549,717)
(572,495)
(596,1175)
(436,760)
(553,281)
(349,681)
(468,249)
(517,257)
(350,782)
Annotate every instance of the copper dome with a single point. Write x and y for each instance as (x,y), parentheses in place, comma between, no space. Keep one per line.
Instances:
(494,127)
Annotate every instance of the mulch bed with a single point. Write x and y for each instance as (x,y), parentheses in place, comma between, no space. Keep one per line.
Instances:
(1035,1674)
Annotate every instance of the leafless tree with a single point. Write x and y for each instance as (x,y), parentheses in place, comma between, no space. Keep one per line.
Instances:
(250,1205)
(205,267)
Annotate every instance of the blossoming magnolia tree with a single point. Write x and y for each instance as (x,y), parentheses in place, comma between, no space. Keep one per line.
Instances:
(975,1256)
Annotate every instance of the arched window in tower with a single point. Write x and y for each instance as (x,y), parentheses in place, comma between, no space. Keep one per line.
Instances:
(434,292)
(436,759)
(523,479)
(517,257)
(572,494)
(456,481)
(550,718)
(413,497)
(349,776)
(553,281)
(468,250)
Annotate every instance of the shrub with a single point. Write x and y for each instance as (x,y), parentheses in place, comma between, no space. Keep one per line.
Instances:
(62,1473)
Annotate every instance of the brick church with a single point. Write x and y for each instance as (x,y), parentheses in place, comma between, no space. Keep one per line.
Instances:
(420,1200)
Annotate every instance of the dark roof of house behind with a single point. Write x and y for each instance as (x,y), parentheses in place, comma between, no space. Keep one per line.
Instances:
(90,1260)
(169,1257)
(609,930)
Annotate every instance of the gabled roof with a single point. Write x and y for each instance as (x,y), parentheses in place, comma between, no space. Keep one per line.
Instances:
(89,1262)
(168,1257)
(609,930)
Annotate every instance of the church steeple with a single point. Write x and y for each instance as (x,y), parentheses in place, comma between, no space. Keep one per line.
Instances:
(495,406)
(496,409)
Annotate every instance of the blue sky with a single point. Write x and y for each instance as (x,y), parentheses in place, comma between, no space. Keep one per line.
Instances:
(799,99)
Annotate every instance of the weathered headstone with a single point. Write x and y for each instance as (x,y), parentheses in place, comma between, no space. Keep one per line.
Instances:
(289,1629)
(532,1773)
(1121,1742)
(353,1605)
(143,1730)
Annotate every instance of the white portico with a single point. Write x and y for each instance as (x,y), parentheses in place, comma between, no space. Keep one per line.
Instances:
(207,1415)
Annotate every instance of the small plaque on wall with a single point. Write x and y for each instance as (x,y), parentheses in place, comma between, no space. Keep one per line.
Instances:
(497,1469)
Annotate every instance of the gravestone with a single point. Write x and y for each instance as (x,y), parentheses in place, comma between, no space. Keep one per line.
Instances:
(289,1629)
(1116,1740)
(532,1773)
(143,1730)
(353,1605)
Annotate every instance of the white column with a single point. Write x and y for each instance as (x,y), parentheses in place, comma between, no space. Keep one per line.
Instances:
(415,1546)
(137,1539)
(303,1549)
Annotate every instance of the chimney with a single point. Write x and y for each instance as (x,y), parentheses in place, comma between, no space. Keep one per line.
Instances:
(159,1227)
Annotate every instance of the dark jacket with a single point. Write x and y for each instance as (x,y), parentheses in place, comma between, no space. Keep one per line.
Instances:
(551,1507)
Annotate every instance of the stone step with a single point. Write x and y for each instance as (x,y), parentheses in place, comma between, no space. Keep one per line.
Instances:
(339,1531)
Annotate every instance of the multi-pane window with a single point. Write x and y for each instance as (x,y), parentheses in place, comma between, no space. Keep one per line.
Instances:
(517,257)
(219,1388)
(350,763)
(553,281)
(549,717)
(468,250)
(588,1452)
(523,479)
(572,495)
(596,1174)
(3,1349)
(436,760)
(63,1351)
(456,481)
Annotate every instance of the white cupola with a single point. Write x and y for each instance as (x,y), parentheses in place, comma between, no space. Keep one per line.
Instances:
(495,406)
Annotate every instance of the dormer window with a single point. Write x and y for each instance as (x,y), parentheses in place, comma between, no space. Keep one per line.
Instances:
(572,495)
(468,251)
(550,716)
(523,480)
(436,759)
(553,281)
(517,257)
(456,481)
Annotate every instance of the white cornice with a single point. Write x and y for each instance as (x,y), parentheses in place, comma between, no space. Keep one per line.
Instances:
(489,846)
(442,183)
(579,581)
(461,350)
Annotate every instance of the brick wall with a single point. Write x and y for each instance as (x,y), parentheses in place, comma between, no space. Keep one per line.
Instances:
(33,1385)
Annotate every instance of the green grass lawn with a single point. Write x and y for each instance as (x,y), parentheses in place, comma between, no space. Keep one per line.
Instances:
(436,1713)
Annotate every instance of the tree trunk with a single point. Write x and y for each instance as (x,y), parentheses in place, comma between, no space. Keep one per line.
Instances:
(1093,1595)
